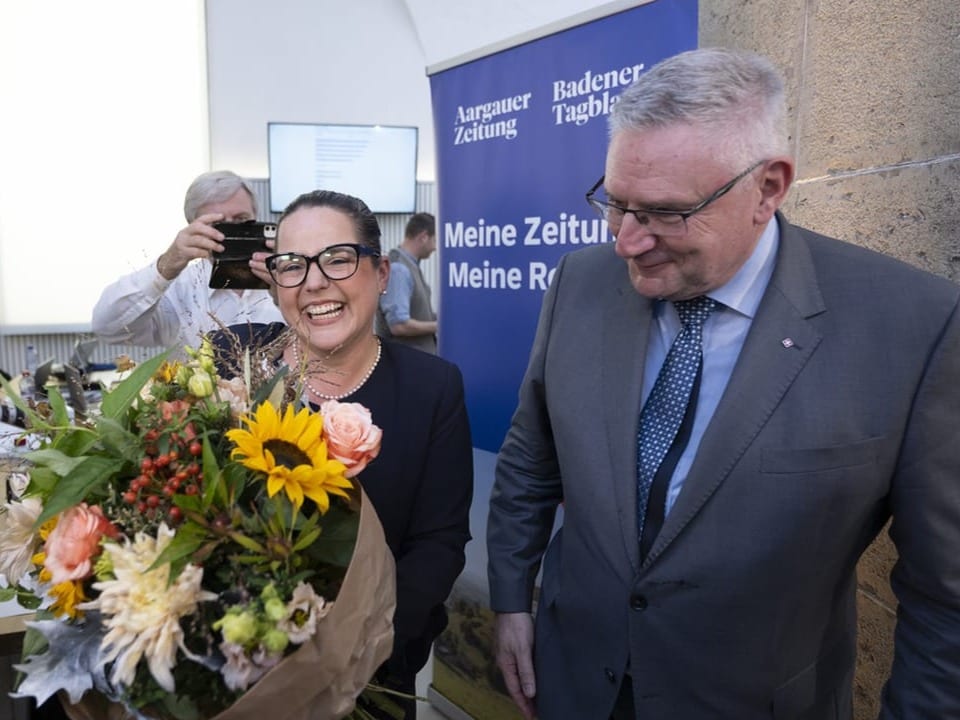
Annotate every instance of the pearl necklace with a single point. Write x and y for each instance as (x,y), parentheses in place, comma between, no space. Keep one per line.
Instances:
(341,396)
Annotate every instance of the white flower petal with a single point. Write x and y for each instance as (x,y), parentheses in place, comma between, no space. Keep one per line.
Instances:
(142,611)
(18,541)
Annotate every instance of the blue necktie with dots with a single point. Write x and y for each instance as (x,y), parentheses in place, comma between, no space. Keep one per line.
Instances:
(666,406)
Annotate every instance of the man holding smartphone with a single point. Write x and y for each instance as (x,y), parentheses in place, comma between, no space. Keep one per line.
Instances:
(169,303)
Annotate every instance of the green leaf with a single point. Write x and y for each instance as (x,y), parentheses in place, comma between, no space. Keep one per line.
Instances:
(248,543)
(58,406)
(306,539)
(27,599)
(335,545)
(34,642)
(116,401)
(61,463)
(78,483)
(188,503)
(118,440)
(234,479)
(8,388)
(43,480)
(74,441)
(263,392)
(275,520)
(181,707)
(304,525)
(188,539)
(34,420)
(7,594)
(213,487)
(204,551)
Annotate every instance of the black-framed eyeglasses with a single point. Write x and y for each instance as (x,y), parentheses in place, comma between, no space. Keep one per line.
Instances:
(337,262)
(660,221)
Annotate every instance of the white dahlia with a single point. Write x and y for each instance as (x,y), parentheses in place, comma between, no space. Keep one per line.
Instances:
(141,609)
(18,540)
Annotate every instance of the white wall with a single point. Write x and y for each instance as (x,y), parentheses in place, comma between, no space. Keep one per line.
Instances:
(311,61)
(361,62)
(449,29)
(102,125)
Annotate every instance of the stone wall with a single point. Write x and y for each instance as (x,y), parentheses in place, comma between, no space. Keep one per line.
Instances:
(875,122)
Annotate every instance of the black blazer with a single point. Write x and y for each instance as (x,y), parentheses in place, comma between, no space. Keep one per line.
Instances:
(421,483)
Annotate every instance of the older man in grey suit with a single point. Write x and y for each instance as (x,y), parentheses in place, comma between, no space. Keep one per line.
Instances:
(706,564)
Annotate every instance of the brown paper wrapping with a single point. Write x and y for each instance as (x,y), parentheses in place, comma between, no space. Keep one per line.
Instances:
(93,706)
(322,679)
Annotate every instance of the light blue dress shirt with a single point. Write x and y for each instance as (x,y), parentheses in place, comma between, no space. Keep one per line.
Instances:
(395,302)
(723,337)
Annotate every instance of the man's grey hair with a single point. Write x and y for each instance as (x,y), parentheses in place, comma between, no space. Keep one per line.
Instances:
(736,92)
(214,187)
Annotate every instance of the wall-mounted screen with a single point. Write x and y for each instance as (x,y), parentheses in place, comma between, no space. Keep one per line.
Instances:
(376,163)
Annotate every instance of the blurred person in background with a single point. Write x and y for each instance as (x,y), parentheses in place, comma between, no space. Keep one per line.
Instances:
(406,312)
(169,302)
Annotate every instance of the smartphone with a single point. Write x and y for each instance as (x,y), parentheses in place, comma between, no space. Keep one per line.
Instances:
(231,267)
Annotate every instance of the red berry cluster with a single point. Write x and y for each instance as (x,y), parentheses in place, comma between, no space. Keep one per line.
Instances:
(171,465)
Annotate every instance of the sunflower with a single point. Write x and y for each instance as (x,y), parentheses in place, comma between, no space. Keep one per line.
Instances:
(291,451)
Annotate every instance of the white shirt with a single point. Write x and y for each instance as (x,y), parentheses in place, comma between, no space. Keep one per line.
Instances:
(144,308)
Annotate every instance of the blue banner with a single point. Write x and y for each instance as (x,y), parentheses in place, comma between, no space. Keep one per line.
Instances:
(521,136)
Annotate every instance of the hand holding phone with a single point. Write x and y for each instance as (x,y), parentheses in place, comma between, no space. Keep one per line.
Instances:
(231,268)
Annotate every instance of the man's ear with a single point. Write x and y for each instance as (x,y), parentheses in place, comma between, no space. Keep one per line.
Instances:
(774,184)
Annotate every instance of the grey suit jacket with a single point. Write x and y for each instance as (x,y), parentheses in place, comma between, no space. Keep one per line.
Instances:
(745,606)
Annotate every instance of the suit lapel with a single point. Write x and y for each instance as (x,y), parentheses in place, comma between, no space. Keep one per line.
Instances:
(780,342)
(626,327)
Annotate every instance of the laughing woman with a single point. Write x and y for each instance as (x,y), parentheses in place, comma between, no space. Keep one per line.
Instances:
(329,275)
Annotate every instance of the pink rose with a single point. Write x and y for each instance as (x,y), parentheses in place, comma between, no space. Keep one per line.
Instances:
(75,541)
(351,436)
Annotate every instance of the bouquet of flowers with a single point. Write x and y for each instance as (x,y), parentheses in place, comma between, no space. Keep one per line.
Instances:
(199,549)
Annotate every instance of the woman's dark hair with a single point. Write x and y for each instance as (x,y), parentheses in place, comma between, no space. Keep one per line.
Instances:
(365,222)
